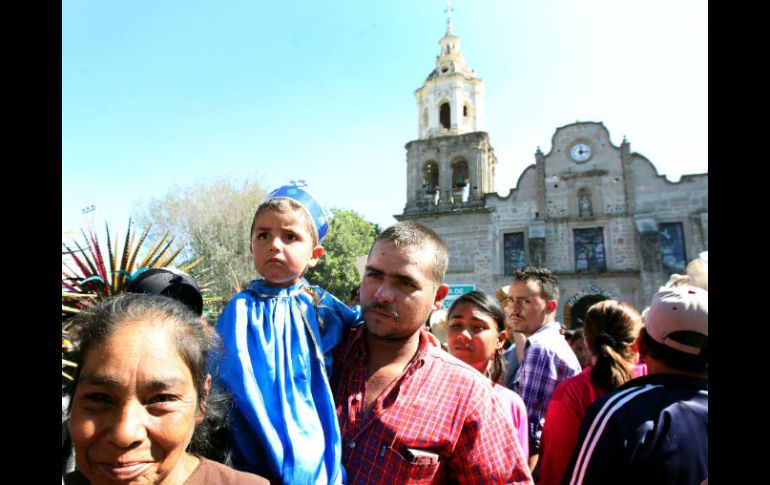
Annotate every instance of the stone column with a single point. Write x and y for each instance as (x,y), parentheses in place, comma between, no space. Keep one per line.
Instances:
(445,179)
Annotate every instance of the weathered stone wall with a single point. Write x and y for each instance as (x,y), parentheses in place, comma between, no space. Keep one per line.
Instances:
(614,189)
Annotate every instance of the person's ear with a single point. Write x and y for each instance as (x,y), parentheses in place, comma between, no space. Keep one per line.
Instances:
(501,338)
(318,251)
(204,400)
(441,292)
(551,306)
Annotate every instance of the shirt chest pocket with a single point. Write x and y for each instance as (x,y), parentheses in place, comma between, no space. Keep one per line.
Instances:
(408,465)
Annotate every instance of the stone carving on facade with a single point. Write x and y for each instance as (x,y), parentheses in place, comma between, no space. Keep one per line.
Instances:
(584,204)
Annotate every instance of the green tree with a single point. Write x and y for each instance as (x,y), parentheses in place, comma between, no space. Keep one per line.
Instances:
(213,219)
(349,237)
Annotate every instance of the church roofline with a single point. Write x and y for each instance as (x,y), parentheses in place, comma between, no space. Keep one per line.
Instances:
(618,147)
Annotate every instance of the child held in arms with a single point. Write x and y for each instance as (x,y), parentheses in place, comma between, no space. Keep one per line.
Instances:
(278,335)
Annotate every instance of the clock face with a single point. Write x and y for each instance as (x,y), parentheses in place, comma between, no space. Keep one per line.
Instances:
(580,152)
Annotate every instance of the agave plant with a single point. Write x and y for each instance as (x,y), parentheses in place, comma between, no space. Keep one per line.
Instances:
(91,273)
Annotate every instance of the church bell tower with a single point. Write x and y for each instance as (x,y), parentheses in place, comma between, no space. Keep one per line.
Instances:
(451,164)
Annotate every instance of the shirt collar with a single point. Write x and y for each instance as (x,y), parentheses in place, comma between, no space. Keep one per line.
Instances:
(545,331)
(263,289)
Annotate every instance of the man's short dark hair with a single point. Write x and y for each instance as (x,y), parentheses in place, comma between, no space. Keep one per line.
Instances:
(674,358)
(549,283)
(413,234)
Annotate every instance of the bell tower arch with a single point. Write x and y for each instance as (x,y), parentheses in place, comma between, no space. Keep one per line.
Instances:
(451,140)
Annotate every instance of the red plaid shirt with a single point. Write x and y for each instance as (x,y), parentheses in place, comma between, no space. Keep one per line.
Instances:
(439,406)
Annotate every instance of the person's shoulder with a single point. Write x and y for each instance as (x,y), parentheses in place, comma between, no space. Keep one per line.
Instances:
(504,393)
(573,385)
(634,398)
(243,297)
(209,472)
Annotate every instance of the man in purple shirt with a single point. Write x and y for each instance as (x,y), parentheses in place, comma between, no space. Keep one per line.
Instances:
(548,358)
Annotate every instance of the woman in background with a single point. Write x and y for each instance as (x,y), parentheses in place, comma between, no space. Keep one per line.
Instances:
(476,334)
(610,330)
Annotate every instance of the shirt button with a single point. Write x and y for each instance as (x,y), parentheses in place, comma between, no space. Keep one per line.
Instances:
(352,444)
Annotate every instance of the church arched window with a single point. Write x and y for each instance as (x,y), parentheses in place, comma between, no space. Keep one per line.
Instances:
(430,182)
(444,115)
(460,181)
(430,177)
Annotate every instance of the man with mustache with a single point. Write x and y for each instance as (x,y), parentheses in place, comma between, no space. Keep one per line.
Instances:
(548,358)
(410,412)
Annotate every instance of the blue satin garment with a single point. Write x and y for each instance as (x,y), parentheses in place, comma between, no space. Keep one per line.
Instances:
(284,422)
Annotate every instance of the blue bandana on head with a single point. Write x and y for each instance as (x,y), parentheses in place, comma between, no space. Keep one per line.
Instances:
(295,190)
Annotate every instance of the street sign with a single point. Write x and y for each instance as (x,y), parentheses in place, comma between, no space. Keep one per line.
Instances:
(455,291)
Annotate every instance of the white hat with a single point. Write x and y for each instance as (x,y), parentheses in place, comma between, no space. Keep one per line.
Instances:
(680,309)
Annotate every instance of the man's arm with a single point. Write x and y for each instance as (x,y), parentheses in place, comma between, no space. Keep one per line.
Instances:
(487,450)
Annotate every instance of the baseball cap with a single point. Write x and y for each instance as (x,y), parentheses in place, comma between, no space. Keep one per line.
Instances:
(296,190)
(171,283)
(679,318)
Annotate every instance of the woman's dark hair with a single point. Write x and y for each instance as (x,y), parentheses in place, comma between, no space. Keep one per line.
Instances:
(198,346)
(611,328)
(490,306)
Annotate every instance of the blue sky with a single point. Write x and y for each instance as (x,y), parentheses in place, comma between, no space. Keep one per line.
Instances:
(170,92)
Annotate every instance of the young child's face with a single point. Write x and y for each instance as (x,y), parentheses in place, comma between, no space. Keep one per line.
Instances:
(282,247)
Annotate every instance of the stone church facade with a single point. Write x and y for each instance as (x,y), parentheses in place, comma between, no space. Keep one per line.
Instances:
(596,214)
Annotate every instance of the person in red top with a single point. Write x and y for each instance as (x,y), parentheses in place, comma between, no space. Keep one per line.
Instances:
(410,412)
(476,335)
(610,330)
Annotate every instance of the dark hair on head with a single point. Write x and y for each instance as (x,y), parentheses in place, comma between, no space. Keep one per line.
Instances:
(412,234)
(490,306)
(549,282)
(611,328)
(283,205)
(201,351)
(573,334)
(169,282)
(698,364)
(355,292)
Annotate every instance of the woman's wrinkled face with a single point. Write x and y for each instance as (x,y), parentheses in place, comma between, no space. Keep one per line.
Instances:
(134,409)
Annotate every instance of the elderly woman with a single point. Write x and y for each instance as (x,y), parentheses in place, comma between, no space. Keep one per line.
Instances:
(138,412)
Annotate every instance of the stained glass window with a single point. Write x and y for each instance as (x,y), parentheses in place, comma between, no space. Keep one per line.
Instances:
(513,251)
(672,254)
(589,250)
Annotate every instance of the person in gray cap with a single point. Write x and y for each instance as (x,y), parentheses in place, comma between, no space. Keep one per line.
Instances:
(654,429)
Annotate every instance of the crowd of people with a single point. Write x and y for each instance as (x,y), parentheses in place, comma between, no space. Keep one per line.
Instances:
(293,386)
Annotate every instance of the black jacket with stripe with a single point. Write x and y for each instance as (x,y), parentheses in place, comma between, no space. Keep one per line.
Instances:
(653,429)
